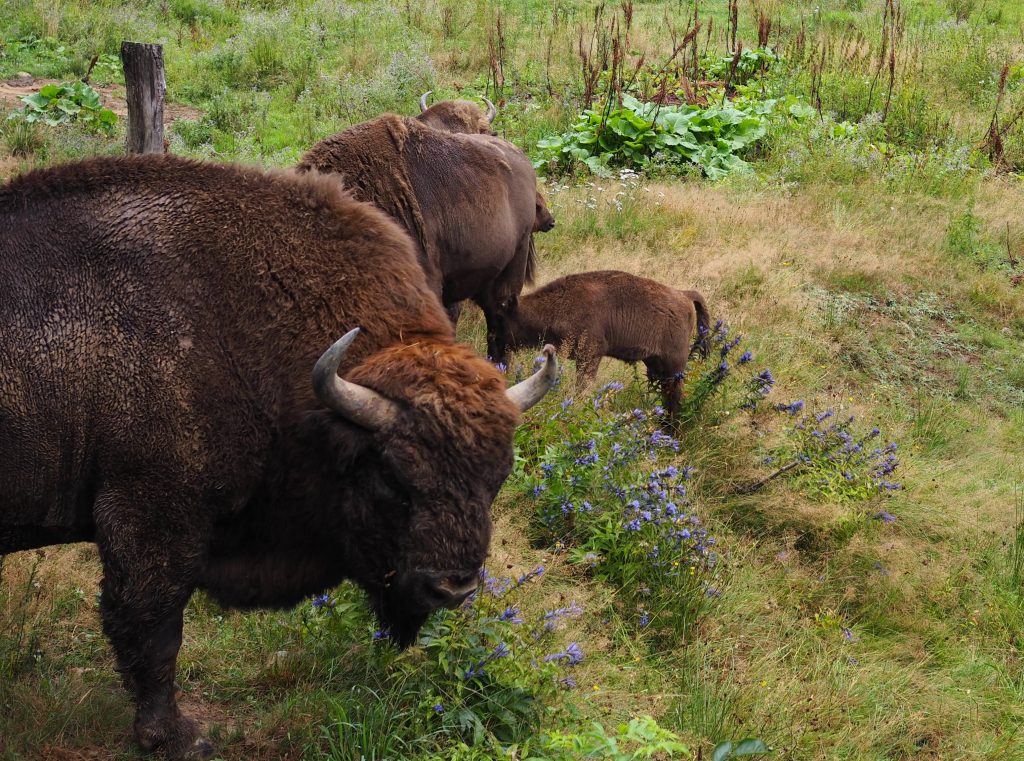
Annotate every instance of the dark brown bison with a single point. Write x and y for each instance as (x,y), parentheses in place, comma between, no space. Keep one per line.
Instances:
(165,393)
(469,202)
(615,314)
(458,116)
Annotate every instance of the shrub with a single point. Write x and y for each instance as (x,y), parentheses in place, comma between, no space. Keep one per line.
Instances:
(641,134)
(832,461)
(66,103)
(604,485)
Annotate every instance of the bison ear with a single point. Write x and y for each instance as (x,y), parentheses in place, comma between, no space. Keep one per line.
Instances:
(340,441)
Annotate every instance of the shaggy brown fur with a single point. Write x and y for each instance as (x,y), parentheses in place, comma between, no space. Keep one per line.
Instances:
(615,314)
(468,201)
(159,324)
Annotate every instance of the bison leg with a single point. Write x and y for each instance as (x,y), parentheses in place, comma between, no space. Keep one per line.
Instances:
(146,583)
(670,381)
(454,311)
(497,336)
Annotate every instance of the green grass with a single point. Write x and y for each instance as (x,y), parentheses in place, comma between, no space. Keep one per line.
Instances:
(871,267)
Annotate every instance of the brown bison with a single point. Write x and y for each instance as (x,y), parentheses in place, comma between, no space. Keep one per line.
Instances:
(469,202)
(458,116)
(165,393)
(615,314)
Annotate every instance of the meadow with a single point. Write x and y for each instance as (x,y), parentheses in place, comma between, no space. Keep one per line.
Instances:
(827,555)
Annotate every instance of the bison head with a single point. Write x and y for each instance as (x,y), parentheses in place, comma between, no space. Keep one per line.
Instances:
(440,425)
(458,116)
(545,220)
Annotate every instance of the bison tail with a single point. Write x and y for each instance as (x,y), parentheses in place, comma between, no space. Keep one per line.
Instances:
(531,262)
(702,341)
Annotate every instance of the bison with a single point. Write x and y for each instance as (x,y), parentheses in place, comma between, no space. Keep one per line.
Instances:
(614,314)
(469,202)
(458,116)
(165,393)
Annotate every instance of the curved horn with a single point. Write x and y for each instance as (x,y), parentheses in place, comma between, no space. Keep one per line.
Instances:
(353,402)
(530,391)
(423,101)
(491,110)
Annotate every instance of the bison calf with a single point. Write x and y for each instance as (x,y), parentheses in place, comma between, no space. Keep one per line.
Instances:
(614,314)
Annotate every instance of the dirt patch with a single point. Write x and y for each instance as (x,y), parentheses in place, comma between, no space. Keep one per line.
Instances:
(112,97)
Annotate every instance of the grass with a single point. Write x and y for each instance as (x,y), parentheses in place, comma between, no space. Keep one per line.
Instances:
(873,275)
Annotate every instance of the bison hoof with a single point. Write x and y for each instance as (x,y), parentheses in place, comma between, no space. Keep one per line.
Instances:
(178,740)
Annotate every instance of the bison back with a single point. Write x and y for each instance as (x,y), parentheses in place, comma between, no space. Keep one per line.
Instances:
(164,315)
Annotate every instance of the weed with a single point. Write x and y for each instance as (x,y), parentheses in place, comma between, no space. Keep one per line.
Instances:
(23,138)
(62,104)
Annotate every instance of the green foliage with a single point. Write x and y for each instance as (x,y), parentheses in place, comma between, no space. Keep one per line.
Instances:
(968,239)
(66,103)
(830,461)
(640,135)
(751,63)
(23,138)
(484,673)
(640,738)
(43,56)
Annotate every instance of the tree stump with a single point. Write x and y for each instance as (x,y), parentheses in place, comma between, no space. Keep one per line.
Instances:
(145,85)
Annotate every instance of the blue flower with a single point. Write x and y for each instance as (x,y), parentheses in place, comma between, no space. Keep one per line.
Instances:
(511,615)
(572,655)
(792,408)
(885,517)
(438,708)
(323,601)
(645,618)
(745,357)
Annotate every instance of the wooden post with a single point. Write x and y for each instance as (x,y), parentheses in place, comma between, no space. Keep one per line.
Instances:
(145,85)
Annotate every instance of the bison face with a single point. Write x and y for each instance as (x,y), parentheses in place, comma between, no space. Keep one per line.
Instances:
(545,220)
(441,423)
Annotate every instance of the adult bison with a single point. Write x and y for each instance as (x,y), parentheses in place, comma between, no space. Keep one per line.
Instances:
(469,202)
(160,323)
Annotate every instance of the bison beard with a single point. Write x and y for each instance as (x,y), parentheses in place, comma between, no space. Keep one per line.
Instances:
(156,398)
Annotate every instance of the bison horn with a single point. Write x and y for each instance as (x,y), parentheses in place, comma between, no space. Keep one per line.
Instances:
(362,406)
(423,101)
(530,391)
(491,110)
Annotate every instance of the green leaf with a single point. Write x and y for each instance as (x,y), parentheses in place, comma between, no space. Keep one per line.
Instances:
(751,746)
(722,751)
(801,111)
(37,100)
(49,91)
